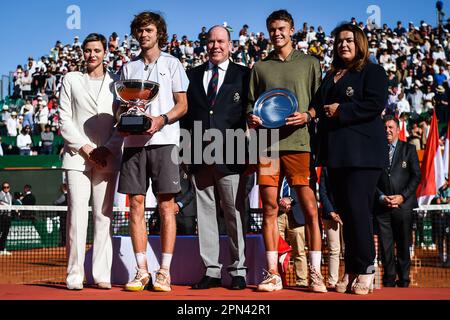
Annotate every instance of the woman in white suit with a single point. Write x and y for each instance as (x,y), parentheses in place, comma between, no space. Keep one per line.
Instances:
(91,159)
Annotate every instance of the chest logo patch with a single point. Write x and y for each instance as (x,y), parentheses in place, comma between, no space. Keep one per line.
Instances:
(236,97)
(404,164)
(350,91)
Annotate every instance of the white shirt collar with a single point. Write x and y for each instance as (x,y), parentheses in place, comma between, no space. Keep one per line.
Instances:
(223,65)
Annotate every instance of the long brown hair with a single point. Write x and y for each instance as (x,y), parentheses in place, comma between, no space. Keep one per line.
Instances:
(145,18)
(361,47)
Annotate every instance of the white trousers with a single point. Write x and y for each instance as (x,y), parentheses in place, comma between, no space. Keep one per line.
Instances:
(81,185)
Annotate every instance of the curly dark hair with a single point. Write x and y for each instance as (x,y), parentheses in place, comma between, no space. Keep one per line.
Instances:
(280,15)
(147,17)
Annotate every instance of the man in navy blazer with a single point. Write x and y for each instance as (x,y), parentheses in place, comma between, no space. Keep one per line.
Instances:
(217,98)
(395,200)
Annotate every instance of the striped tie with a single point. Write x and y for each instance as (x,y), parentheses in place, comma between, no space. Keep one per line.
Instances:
(212,86)
(286,191)
(391,153)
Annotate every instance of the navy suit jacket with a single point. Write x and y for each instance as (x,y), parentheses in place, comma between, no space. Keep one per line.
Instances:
(228,112)
(402,177)
(356,137)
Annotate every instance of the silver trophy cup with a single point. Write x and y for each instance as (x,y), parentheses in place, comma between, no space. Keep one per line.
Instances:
(137,95)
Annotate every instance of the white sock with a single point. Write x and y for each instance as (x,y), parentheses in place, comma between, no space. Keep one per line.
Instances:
(141,260)
(315,259)
(166,260)
(272,260)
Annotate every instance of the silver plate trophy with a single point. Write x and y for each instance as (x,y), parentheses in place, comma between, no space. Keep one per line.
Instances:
(137,95)
(274,106)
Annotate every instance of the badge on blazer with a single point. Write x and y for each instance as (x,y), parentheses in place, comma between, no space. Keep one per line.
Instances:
(236,97)
(350,92)
(404,165)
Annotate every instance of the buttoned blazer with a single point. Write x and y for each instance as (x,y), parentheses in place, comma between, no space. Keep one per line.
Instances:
(88,119)
(228,112)
(402,177)
(356,137)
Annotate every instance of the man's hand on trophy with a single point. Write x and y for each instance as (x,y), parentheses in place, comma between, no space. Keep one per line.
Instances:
(157,123)
(86,151)
(253,121)
(99,156)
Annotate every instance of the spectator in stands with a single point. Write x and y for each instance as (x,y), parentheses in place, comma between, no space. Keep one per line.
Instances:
(113,42)
(24,142)
(91,158)
(441,100)
(294,156)
(11,124)
(5,216)
(28,197)
(395,200)
(402,105)
(50,84)
(415,98)
(202,37)
(353,168)
(76,42)
(399,30)
(333,228)
(47,138)
(41,115)
(291,225)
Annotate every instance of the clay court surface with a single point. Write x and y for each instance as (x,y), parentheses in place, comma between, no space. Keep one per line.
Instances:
(48,266)
(59,292)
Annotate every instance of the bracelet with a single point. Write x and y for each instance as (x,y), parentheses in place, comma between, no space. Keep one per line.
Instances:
(166,118)
(308,120)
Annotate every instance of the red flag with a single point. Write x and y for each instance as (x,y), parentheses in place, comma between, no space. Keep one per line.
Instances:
(432,167)
(284,256)
(402,134)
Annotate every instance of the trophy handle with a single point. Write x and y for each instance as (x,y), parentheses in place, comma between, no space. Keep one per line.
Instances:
(118,95)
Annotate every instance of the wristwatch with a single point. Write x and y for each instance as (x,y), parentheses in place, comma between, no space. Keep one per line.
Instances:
(166,118)
(308,114)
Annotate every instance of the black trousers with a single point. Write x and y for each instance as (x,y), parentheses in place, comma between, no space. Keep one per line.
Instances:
(186,225)
(394,230)
(354,192)
(5,225)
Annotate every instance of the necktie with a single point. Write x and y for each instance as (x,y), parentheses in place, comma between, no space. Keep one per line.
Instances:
(391,153)
(286,192)
(212,86)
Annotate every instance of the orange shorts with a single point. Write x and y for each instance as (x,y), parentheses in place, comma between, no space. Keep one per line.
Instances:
(295,166)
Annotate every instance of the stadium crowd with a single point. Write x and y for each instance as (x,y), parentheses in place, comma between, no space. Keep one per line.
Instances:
(416,59)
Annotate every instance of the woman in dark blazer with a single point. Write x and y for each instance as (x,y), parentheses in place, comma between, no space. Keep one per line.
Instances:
(352,144)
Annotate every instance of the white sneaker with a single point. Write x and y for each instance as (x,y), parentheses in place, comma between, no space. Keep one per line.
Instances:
(316,282)
(162,282)
(140,281)
(5,252)
(271,282)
